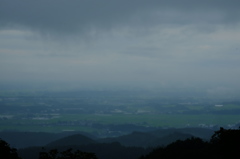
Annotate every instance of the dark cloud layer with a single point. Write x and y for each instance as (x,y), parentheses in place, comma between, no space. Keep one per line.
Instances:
(135,42)
(68,16)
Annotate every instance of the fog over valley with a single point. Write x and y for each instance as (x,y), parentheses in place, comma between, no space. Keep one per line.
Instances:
(122,79)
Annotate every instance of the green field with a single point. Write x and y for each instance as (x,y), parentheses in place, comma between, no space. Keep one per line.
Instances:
(97,111)
(78,122)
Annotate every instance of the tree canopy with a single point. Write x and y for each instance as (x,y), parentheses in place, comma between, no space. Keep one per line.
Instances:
(7,152)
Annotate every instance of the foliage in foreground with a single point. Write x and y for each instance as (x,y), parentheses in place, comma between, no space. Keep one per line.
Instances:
(7,152)
(223,144)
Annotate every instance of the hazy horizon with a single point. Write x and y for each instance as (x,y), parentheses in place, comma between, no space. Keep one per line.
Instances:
(114,44)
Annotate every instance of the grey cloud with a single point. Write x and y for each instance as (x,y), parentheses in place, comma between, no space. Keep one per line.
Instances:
(61,16)
(147,42)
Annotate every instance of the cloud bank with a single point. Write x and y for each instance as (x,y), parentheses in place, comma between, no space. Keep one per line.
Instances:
(81,16)
(120,43)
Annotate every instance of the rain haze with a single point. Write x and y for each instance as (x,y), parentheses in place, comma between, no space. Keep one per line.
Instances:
(120,78)
(112,44)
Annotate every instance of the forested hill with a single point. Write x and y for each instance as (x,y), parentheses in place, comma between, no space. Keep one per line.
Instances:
(27,139)
(76,139)
(224,143)
(139,139)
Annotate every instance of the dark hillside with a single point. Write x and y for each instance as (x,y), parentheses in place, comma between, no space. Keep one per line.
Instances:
(160,137)
(76,139)
(28,139)
(189,148)
(203,133)
(102,151)
(114,151)
(168,139)
(223,144)
(140,139)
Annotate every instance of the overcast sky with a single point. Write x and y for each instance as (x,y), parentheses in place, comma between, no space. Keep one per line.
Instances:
(121,43)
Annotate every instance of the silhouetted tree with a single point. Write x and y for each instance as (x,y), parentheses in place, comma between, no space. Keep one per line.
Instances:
(52,154)
(6,152)
(226,142)
(189,148)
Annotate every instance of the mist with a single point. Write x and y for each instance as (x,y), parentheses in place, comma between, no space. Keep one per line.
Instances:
(120,45)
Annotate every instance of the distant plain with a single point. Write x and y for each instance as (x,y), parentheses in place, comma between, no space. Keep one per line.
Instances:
(107,112)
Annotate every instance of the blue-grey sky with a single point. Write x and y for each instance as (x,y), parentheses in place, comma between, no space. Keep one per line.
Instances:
(121,43)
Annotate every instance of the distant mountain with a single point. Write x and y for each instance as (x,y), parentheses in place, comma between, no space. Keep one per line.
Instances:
(139,139)
(224,144)
(136,139)
(72,140)
(202,133)
(142,139)
(28,139)
(172,137)
(102,151)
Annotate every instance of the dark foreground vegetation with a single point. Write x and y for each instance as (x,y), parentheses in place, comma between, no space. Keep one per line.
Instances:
(224,143)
